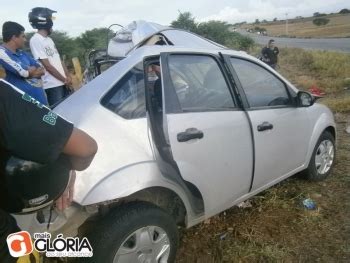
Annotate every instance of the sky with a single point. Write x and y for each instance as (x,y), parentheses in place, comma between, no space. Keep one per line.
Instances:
(75,17)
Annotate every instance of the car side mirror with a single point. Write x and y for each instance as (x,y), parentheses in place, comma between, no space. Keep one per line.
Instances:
(305,99)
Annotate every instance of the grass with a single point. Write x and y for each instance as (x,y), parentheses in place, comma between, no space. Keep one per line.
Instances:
(339,26)
(330,71)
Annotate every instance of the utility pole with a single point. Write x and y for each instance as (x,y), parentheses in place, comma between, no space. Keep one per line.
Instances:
(287,24)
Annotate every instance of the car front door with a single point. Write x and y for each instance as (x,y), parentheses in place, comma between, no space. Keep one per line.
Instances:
(282,131)
(209,136)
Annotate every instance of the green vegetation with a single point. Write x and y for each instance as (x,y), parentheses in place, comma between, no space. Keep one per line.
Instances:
(330,71)
(320,21)
(317,14)
(344,11)
(70,47)
(217,31)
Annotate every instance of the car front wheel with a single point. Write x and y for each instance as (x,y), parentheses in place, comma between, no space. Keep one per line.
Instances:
(136,232)
(323,157)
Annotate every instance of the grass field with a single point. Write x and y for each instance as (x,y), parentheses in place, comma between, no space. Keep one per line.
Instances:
(330,71)
(338,26)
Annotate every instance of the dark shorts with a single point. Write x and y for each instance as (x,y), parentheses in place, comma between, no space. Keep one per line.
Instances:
(8,226)
(56,94)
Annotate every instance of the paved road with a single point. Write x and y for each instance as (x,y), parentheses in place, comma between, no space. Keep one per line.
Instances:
(335,44)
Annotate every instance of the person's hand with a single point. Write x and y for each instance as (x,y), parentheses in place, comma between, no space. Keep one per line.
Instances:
(31,71)
(40,71)
(35,72)
(67,197)
(68,81)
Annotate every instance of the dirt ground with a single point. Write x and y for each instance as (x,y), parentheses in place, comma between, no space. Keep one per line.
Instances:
(277,228)
(338,26)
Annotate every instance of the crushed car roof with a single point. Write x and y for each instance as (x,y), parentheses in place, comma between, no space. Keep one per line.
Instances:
(140,33)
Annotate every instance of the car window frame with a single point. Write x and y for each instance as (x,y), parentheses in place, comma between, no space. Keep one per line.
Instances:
(114,87)
(176,108)
(291,94)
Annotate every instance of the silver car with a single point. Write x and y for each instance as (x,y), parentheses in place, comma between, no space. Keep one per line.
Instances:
(185,131)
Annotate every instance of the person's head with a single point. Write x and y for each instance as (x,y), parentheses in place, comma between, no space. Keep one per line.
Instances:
(41,18)
(271,43)
(155,68)
(13,33)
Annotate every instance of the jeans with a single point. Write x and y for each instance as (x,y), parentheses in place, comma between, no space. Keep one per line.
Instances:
(55,94)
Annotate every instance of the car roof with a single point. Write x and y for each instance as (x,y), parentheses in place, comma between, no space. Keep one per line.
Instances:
(146,51)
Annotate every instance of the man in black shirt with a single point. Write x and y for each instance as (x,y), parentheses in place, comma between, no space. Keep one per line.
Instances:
(270,54)
(30,131)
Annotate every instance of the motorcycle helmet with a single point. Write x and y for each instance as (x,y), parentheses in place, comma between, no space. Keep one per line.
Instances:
(33,186)
(41,18)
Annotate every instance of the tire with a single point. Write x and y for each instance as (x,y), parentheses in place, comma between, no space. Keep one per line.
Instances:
(313,172)
(148,220)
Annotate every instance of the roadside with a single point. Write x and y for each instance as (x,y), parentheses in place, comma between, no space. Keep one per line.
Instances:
(335,44)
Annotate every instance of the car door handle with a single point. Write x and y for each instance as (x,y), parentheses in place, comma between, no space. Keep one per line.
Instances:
(189,134)
(265,126)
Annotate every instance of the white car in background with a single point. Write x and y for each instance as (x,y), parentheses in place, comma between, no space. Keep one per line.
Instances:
(186,129)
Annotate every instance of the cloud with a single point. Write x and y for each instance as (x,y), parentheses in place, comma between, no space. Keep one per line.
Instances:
(264,9)
(75,17)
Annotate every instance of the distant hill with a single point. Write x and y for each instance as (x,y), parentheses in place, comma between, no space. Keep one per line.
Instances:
(338,26)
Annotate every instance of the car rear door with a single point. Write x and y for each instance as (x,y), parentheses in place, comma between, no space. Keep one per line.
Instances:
(209,136)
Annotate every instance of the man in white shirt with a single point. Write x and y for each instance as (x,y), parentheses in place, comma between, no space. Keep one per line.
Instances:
(56,80)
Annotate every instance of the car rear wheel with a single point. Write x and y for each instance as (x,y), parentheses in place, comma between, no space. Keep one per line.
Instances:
(136,232)
(323,157)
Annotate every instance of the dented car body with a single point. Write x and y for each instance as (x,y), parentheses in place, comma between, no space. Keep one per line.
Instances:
(191,127)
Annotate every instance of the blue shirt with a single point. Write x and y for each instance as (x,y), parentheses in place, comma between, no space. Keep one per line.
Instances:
(16,66)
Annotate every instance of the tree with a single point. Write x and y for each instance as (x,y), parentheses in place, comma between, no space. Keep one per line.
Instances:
(185,21)
(275,19)
(257,21)
(94,39)
(320,21)
(239,42)
(344,11)
(217,31)
(318,14)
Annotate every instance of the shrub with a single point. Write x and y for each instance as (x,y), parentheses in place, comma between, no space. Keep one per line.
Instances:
(344,11)
(320,21)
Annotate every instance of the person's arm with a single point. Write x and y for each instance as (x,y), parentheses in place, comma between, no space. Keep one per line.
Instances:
(68,77)
(277,50)
(52,70)
(81,148)
(33,132)
(16,68)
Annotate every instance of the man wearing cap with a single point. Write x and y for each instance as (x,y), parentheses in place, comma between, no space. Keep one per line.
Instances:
(56,79)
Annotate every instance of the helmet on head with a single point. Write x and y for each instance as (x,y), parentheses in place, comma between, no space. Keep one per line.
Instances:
(41,18)
(33,186)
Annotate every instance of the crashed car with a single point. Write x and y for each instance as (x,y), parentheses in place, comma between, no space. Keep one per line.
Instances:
(186,130)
